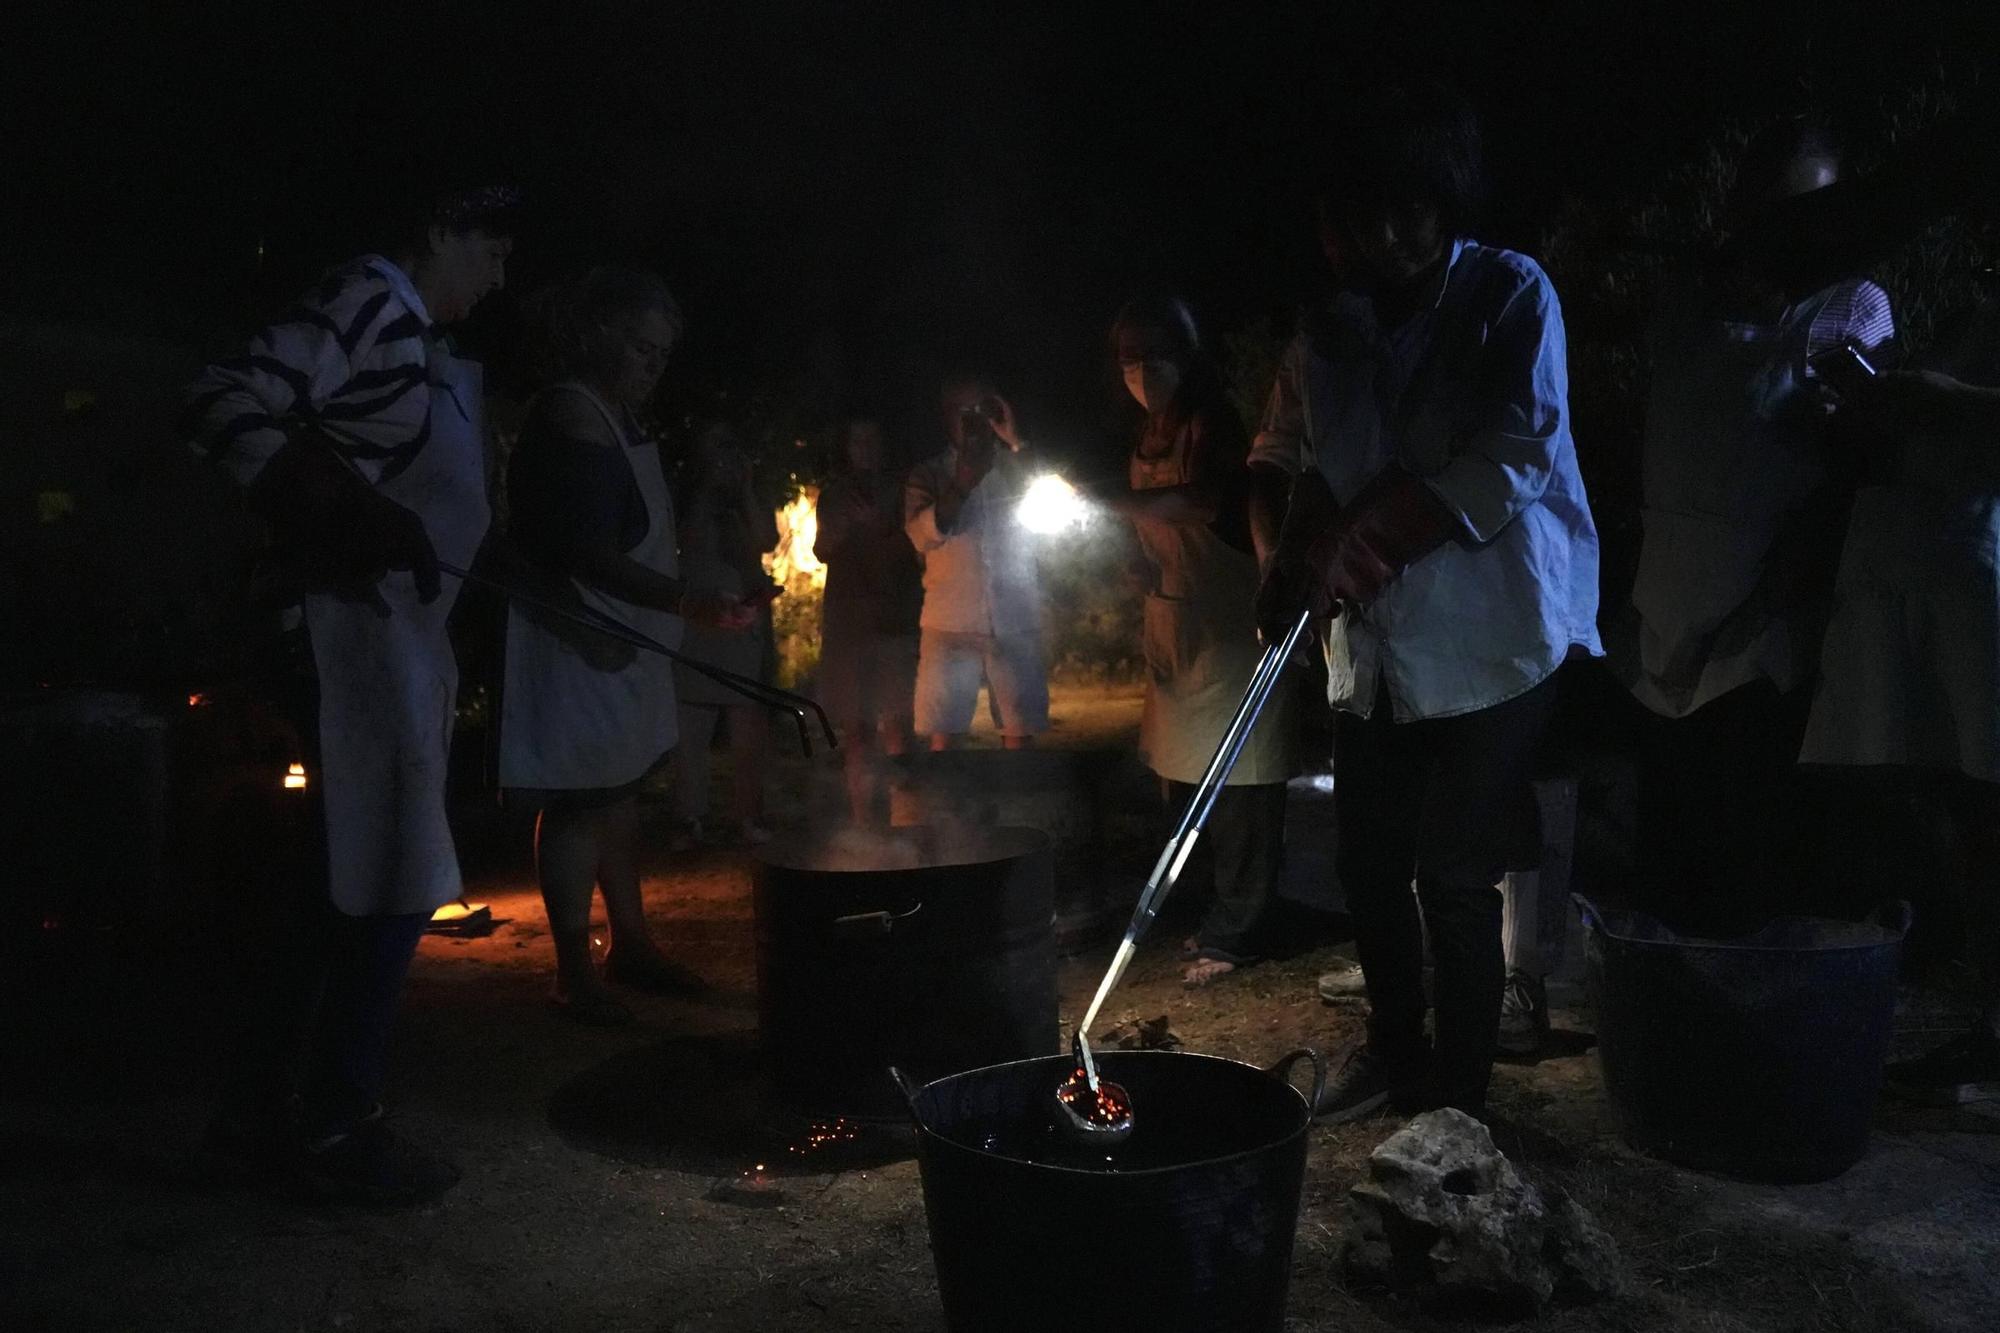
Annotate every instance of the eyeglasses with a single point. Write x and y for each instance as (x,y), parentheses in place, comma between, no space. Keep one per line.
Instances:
(649,349)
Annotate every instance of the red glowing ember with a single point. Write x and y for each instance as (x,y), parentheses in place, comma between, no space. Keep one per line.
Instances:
(1105,1106)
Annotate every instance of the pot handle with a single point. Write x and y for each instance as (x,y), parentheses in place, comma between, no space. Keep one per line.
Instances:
(864,924)
(1282,1069)
(909,1091)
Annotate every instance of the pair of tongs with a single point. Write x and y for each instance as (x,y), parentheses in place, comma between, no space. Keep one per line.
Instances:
(590,617)
(1174,857)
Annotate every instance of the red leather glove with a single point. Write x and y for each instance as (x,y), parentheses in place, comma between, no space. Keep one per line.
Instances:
(1394,522)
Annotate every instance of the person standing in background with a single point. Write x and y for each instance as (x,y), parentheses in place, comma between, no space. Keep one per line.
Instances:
(1908,705)
(1743,514)
(1189,502)
(982,616)
(868,634)
(725,532)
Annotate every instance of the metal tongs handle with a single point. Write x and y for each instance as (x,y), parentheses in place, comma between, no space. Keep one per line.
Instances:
(590,617)
(1174,856)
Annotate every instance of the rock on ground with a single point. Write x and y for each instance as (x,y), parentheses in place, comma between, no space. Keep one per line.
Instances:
(1445,1214)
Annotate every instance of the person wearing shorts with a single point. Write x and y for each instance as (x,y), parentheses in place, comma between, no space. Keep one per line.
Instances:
(982,595)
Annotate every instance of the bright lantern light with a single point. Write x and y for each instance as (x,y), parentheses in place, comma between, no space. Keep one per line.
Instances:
(295,777)
(1051,505)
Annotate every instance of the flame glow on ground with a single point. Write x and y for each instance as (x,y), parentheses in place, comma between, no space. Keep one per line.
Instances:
(1051,505)
(793,558)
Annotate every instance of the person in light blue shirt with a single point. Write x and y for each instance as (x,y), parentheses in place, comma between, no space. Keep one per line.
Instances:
(1418,490)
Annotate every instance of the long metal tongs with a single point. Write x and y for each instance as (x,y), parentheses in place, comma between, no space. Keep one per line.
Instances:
(770,696)
(1174,856)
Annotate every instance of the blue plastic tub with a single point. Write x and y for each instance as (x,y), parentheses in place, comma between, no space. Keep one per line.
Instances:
(1759,1057)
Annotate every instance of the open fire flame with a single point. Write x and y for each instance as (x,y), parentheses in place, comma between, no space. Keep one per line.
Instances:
(793,560)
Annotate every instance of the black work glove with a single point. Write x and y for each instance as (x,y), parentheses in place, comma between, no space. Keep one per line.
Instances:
(1280,599)
(332,531)
(1394,522)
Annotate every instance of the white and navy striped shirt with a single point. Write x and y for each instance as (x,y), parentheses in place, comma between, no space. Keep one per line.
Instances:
(350,357)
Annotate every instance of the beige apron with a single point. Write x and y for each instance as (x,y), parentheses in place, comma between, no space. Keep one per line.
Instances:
(388,684)
(1733,455)
(1200,643)
(565,723)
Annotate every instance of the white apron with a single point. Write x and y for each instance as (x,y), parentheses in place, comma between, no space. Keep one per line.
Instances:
(1200,644)
(567,724)
(1910,674)
(388,684)
(1732,456)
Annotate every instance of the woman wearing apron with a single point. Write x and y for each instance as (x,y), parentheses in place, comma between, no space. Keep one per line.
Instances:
(585,718)
(1189,504)
(1908,708)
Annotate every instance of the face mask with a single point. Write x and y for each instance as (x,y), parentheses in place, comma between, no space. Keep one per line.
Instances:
(1152,383)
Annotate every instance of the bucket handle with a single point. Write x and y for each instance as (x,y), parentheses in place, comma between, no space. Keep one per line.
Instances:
(1895,916)
(909,1090)
(1281,1069)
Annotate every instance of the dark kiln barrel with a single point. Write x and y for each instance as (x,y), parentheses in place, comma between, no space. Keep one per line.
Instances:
(929,952)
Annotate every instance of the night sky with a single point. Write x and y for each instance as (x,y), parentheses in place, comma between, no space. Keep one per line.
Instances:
(852,197)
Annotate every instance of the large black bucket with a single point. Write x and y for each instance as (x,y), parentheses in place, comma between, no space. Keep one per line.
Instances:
(925,950)
(1758,1057)
(1186,1228)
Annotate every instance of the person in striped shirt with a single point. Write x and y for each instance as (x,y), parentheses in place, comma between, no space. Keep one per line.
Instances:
(357,437)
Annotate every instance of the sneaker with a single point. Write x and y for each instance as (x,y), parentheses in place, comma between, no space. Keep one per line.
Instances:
(371,1165)
(1524,1015)
(1363,1085)
(1961,1071)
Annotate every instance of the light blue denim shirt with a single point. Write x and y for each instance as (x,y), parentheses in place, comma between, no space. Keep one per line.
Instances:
(1472,395)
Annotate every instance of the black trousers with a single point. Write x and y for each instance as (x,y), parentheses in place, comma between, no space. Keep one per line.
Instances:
(1242,849)
(316,990)
(1438,801)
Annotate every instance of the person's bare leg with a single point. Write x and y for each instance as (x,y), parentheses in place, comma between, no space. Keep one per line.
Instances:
(633,958)
(618,878)
(940,742)
(566,862)
(1018,742)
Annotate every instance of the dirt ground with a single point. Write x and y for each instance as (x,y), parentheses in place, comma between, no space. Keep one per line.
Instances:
(570,1218)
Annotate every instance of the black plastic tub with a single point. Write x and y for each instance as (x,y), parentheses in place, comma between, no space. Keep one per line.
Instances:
(925,949)
(1185,1228)
(1758,1057)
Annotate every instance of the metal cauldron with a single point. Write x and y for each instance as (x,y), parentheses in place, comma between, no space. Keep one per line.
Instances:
(917,948)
